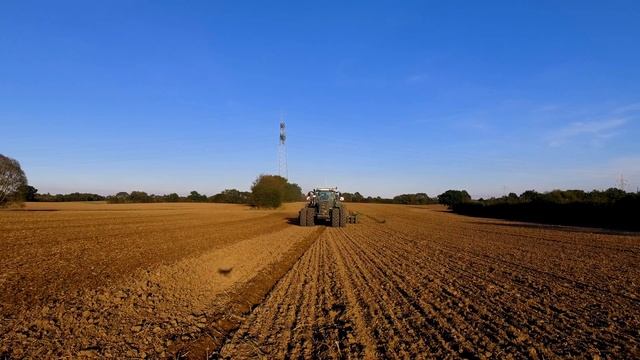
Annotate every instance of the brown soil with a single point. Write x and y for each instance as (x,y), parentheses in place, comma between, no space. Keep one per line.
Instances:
(204,280)
(129,280)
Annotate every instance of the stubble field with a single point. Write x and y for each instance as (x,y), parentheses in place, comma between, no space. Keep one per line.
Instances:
(225,281)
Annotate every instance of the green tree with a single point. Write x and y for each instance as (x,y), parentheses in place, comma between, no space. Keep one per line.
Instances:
(413,199)
(122,195)
(452,197)
(139,197)
(292,193)
(173,197)
(348,197)
(231,196)
(29,193)
(119,198)
(267,191)
(357,197)
(196,197)
(529,195)
(614,194)
(512,197)
(352,197)
(270,191)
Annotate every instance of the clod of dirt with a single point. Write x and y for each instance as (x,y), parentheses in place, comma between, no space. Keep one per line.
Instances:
(226,271)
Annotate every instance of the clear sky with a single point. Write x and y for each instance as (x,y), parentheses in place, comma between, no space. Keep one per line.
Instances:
(379,97)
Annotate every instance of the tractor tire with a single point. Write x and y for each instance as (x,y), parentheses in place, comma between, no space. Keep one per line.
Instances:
(335,217)
(344,217)
(311,216)
(302,218)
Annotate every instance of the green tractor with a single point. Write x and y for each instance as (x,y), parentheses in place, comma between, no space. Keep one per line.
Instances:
(325,205)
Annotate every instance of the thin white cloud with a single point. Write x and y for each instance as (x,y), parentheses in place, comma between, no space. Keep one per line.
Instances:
(417,78)
(547,108)
(630,108)
(595,131)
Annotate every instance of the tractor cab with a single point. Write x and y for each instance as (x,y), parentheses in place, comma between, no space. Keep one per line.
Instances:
(324,200)
(325,205)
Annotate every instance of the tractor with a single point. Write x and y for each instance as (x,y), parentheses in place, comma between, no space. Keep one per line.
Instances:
(325,205)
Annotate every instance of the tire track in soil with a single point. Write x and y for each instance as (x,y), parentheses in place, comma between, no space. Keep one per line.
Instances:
(435,302)
(349,284)
(395,323)
(307,315)
(238,303)
(388,321)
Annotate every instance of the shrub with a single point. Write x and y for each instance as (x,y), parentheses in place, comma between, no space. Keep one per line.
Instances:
(173,197)
(139,197)
(452,197)
(196,197)
(413,199)
(270,191)
(231,196)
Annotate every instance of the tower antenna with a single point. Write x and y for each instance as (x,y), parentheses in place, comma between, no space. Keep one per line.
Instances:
(282,150)
(622,183)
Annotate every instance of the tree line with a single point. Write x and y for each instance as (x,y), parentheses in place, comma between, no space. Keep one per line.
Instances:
(403,199)
(611,208)
(267,191)
(33,195)
(227,196)
(446,198)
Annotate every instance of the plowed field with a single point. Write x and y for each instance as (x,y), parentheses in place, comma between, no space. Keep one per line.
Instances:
(224,281)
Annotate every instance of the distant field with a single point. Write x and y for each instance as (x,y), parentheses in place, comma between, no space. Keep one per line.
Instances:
(227,281)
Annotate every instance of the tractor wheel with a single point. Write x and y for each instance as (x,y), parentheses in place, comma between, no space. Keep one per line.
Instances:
(335,217)
(311,216)
(343,217)
(302,218)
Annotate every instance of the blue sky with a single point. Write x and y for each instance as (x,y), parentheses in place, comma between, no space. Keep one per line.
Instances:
(379,97)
